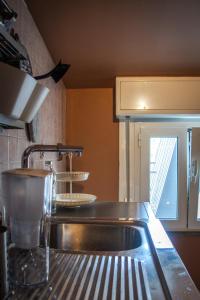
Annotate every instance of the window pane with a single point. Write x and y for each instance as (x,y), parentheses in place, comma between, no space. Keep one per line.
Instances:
(163,177)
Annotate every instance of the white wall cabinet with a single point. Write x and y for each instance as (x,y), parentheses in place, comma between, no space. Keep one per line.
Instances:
(158,97)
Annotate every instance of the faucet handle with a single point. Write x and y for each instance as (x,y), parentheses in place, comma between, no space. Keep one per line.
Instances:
(68,150)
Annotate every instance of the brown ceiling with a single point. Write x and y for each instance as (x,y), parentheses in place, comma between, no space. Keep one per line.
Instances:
(105,38)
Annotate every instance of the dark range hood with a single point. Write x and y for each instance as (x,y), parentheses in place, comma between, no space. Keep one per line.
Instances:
(21,93)
(12,53)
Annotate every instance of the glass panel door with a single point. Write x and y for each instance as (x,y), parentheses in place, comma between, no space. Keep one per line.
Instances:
(164,173)
(164,177)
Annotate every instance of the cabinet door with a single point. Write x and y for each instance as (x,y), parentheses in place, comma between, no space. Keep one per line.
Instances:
(163,96)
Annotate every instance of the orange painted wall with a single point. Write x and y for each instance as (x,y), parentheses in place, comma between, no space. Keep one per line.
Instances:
(90,124)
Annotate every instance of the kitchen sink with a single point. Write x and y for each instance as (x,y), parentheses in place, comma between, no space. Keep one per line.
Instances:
(94,237)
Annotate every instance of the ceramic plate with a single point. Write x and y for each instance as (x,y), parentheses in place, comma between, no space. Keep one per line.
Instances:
(73,200)
(72,176)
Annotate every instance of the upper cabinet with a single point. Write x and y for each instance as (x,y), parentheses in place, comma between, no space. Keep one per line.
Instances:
(158,97)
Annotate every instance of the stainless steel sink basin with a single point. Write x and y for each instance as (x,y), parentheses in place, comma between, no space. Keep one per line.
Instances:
(94,237)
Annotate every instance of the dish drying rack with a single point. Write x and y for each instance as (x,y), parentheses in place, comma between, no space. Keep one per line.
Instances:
(73,199)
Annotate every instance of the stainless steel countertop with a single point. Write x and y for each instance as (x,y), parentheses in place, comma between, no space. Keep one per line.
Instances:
(175,280)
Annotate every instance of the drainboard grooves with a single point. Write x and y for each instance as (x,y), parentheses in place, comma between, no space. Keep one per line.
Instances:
(68,279)
(144,281)
(72,291)
(83,279)
(91,277)
(88,285)
(57,278)
(57,266)
(106,285)
(130,280)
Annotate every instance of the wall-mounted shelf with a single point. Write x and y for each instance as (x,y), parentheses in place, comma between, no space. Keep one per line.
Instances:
(8,123)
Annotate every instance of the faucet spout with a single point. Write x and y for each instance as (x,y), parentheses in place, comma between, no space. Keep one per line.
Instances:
(59,148)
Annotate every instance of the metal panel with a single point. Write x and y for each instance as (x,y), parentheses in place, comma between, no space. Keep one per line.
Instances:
(84,277)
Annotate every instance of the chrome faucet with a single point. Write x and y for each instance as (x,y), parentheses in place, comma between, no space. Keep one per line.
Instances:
(59,148)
